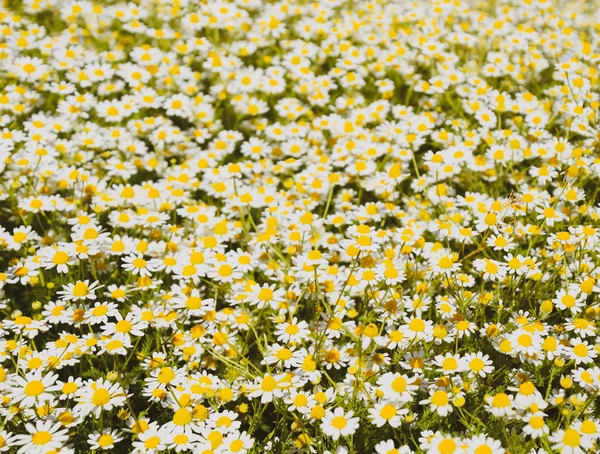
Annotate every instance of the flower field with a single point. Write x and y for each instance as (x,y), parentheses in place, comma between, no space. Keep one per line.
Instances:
(340,226)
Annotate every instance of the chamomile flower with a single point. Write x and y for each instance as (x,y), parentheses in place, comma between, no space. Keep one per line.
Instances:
(267,295)
(389,447)
(136,264)
(570,441)
(481,443)
(104,441)
(60,257)
(500,404)
(292,331)
(100,313)
(236,442)
(42,437)
(80,290)
(536,427)
(438,401)
(34,389)
(100,395)
(387,413)
(397,387)
(338,423)
(478,364)
(125,327)
(269,387)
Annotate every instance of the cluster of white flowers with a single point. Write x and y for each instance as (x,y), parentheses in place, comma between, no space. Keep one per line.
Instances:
(347,226)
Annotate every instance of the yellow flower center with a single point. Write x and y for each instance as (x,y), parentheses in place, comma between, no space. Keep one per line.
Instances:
(571,438)
(105,440)
(501,400)
(265,294)
(399,385)
(268,384)
(34,388)
(182,417)
(339,422)
(60,258)
(80,289)
(123,326)
(439,398)
(236,446)
(388,412)
(100,397)
(166,375)
(41,438)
